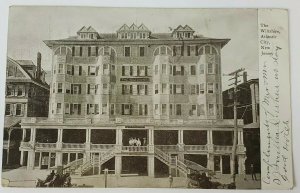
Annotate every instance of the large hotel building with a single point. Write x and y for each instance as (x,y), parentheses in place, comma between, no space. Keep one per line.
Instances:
(161,90)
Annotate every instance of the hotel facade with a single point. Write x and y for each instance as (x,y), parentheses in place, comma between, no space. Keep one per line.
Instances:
(162,89)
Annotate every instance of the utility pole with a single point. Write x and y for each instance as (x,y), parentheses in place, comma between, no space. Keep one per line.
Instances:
(235,75)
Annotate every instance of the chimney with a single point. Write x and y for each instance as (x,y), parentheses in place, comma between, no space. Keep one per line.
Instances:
(38,64)
(245,77)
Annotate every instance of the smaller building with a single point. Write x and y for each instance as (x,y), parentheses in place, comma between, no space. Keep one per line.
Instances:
(27,95)
(248,111)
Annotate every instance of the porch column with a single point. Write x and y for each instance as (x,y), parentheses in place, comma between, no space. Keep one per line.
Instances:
(240,138)
(22,158)
(118,165)
(8,144)
(88,140)
(119,139)
(210,162)
(151,165)
(32,135)
(59,138)
(58,159)
(180,137)
(23,134)
(30,162)
(151,140)
(241,162)
(231,164)
(210,145)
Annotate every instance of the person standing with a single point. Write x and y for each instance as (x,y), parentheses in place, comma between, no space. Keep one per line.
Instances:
(253,174)
(171,181)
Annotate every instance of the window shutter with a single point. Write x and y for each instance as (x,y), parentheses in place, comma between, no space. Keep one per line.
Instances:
(72,70)
(123,89)
(88,70)
(174,70)
(123,70)
(138,89)
(123,109)
(170,88)
(88,88)
(182,70)
(146,89)
(72,88)
(80,70)
(130,89)
(146,70)
(146,109)
(138,71)
(196,51)
(131,109)
(87,109)
(174,88)
(182,50)
(131,70)
(182,89)
(96,109)
(79,109)
(79,88)
(71,109)
(197,88)
(198,110)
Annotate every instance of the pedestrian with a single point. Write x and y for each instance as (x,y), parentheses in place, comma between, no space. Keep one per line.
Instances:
(253,174)
(171,181)
(138,142)
(144,141)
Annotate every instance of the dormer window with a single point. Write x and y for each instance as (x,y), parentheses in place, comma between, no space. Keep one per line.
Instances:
(88,33)
(185,32)
(133,32)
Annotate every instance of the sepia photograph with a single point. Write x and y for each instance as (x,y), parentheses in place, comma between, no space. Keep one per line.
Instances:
(132,98)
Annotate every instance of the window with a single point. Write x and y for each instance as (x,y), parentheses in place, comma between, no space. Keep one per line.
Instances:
(69,70)
(92,109)
(193,89)
(164,68)
(142,89)
(156,89)
(178,70)
(200,110)
(127,70)
(210,69)
(59,87)
(92,70)
(112,109)
(142,51)
(126,109)
(178,109)
(126,89)
(67,108)
(7,109)
(211,109)
(156,69)
(60,68)
(179,89)
(210,87)
(68,89)
(77,70)
(171,109)
(171,88)
(193,110)
(58,108)
(127,51)
(19,109)
(164,88)
(20,91)
(105,88)
(75,88)
(193,70)
(207,49)
(10,90)
(75,109)
(156,109)
(164,109)
(202,88)
(143,109)
(170,69)
(201,69)
(188,50)
(217,87)
(142,70)
(53,88)
(105,69)
(92,89)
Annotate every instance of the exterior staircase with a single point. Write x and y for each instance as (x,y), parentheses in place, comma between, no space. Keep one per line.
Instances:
(73,166)
(86,166)
(184,166)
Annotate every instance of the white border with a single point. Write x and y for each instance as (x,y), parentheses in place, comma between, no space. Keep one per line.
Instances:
(294,15)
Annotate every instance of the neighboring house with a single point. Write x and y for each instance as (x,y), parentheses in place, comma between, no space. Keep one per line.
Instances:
(27,95)
(110,89)
(248,110)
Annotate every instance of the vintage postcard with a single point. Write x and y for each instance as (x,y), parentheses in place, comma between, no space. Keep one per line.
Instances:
(147,98)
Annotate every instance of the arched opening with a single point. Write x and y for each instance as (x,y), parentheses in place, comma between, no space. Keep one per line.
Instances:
(207,49)
(162,50)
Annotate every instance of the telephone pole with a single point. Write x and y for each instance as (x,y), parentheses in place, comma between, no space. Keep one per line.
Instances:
(235,75)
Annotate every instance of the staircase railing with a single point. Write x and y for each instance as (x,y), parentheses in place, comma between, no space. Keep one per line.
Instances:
(72,166)
(96,161)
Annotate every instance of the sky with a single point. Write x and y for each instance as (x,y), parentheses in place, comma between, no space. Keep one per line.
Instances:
(29,26)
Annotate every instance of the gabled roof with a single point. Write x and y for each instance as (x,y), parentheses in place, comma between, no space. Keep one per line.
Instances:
(84,29)
(123,28)
(142,27)
(185,28)
(133,27)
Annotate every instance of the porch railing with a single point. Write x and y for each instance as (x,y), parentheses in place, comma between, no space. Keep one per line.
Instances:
(74,145)
(102,146)
(222,148)
(134,148)
(45,145)
(195,147)
(167,148)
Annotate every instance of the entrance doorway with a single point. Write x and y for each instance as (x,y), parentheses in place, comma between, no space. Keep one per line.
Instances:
(134,165)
